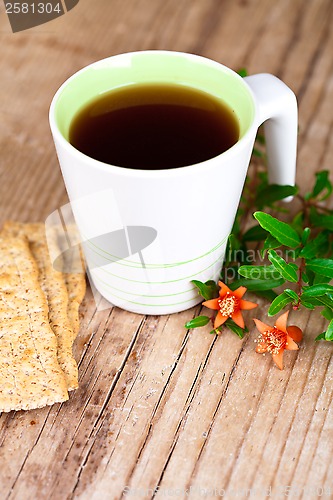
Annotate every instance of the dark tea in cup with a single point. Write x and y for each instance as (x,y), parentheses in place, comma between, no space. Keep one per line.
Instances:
(154,126)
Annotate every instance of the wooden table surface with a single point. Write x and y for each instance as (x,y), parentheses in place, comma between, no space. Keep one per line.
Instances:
(193,415)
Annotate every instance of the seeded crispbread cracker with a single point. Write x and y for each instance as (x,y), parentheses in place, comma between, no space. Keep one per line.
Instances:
(74,274)
(53,284)
(76,288)
(30,375)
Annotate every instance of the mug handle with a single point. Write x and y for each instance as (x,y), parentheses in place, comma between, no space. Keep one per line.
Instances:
(277,109)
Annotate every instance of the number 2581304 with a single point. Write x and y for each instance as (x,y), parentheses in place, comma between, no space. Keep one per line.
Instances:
(32,8)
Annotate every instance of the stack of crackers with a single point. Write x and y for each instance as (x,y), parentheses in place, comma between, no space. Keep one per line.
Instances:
(39,320)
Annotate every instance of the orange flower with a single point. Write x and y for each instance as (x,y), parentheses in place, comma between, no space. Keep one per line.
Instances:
(229,305)
(275,339)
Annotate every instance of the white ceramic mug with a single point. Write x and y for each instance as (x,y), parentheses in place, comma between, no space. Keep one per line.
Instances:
(147,233)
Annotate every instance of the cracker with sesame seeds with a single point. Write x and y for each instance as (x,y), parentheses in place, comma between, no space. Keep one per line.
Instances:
(30,375)
(76,288)
(74,273)
(53,285)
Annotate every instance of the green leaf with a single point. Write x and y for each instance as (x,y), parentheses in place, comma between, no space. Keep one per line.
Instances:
(270,242)
(305,235)
(279,303)
(242,72)
(261,140)
(287,270)
(232,250)
(228,273)
(328,335)
(248,258)
(314,301)
(306,277)
(325,250)
(320,220)
(307,304)
(255,233)
(311,248)
(298,222)
(234,242)
(213,288)
(266,294)
(236,226)
(281,231)
(257,153)
(327,313)
(329,331)
(274,192)
(259,272)
(317,290)
(263,175)
(326,300)
(291,294)
(235,328)
(256,285)
(322,184)
(208,290)
(321,266)
(197,322)
(319,279)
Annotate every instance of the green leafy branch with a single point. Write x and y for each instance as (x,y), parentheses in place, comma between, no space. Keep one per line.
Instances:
(298,270)
(298,253)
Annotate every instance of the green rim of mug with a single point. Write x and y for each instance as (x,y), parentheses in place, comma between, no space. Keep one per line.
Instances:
(153,67)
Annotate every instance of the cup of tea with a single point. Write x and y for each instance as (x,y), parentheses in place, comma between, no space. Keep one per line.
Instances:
(154,148)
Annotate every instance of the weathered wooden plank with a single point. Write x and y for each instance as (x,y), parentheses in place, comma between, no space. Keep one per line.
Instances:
(250,432)
(129,421)
(62,431)
(170,462)
(159,407)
